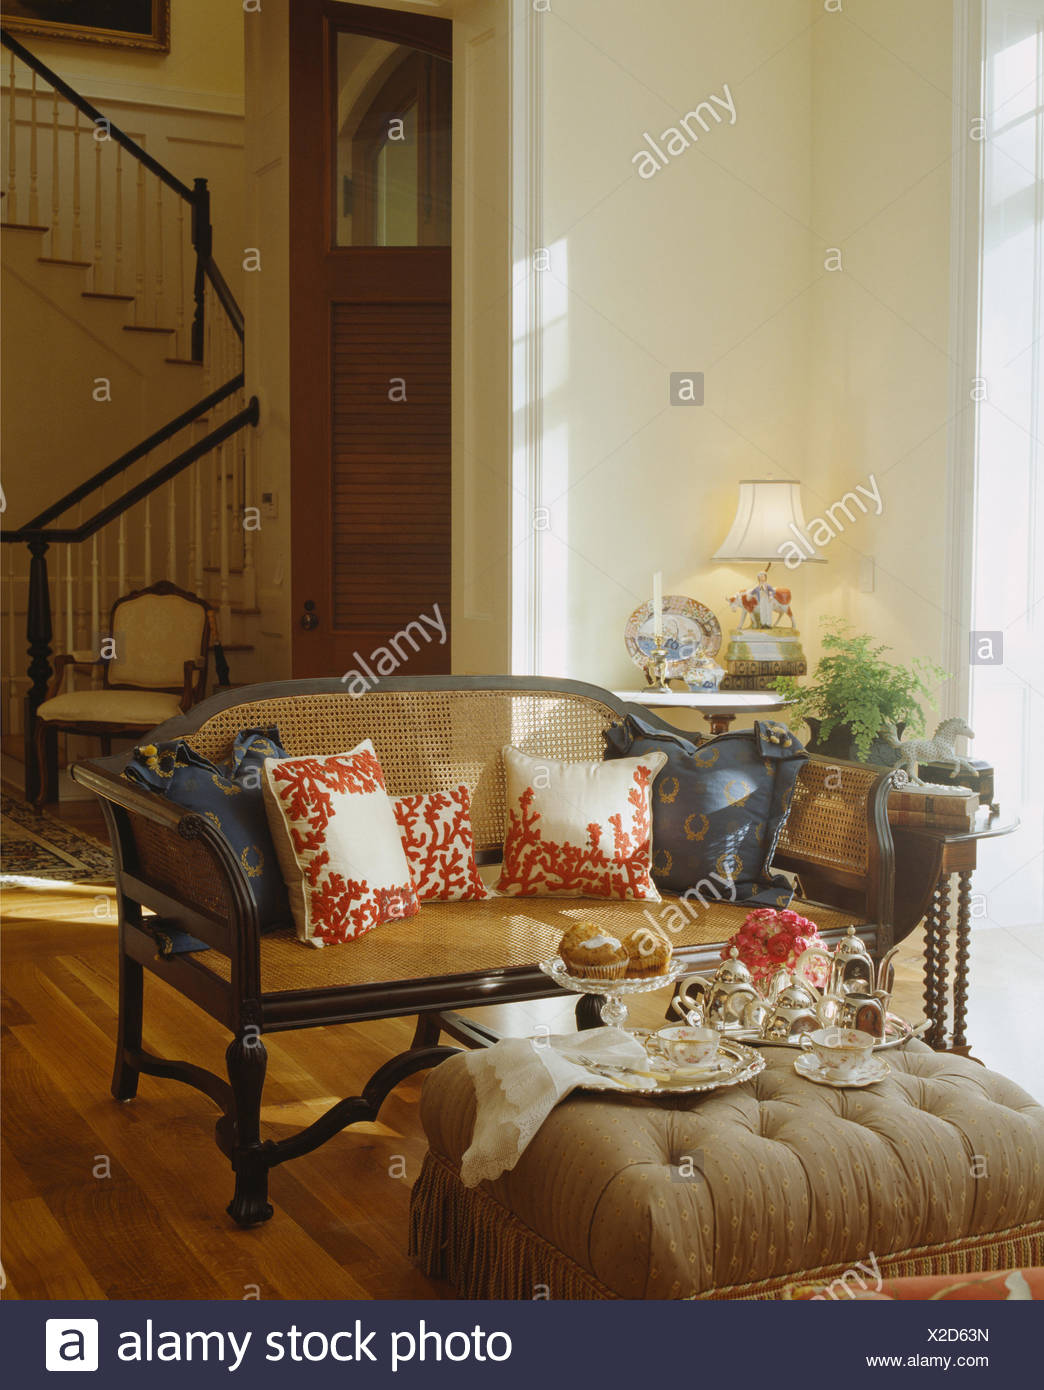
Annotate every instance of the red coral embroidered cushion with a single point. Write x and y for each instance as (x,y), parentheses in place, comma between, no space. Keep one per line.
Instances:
(338,844)
(579,830)
(440,848)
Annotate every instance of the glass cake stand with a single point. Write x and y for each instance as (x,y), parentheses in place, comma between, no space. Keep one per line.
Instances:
(614,1009)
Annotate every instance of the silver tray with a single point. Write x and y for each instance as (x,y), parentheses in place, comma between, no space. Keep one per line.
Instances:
(897,1033)
(742,1063)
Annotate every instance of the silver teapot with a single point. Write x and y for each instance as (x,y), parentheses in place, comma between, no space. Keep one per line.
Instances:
(851,966)
(792,1007)
(720,1001)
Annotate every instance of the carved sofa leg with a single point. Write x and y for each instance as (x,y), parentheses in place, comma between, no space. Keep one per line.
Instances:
(247,1060)
(427,1032)
(128,1033)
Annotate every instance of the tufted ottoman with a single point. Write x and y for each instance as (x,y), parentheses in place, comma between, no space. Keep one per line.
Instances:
(740,1193)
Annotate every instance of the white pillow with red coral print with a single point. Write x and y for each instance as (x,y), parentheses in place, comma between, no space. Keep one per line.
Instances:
(579,830)
(338,844)
(440,848)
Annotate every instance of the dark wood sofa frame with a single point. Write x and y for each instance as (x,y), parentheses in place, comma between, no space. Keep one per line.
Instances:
(177,864)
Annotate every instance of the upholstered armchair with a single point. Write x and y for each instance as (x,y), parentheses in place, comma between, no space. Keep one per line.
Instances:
(158,640)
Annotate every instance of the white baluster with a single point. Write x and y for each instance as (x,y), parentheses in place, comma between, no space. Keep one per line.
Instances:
(104,576)
(12,143)
(81,588)
(139,268)
(250,500)
(96,277)
(95,637)
(182,349)
(117,269)
(70,602)
(55,177)
(147,539)
(121,553)
(158,308)
(224,588)
(77,239)
(34,169)
(197,527)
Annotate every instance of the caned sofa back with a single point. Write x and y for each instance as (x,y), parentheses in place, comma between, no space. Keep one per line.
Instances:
(427,740)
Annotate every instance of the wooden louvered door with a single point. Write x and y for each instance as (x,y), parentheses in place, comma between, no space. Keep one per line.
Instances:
(370,340)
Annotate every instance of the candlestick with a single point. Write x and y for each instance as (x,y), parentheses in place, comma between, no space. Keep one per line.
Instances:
(658,605)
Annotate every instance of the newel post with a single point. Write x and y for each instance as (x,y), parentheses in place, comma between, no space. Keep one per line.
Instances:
(38,635)
(202,243)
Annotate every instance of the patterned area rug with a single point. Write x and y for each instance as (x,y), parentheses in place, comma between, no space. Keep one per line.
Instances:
(42,847)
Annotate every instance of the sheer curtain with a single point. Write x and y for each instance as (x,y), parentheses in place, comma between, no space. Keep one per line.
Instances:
(1007,617)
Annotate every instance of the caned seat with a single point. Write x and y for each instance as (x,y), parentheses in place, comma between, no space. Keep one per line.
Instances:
(499,934)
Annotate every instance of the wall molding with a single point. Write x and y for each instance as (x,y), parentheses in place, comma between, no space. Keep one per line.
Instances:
(527,216)
(965,302)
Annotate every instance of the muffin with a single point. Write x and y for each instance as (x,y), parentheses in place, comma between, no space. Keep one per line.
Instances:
(599,957)
(580,931)
(648,953)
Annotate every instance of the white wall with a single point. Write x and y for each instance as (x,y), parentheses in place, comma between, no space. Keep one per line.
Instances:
(718,264)
(702,267)
(881,364)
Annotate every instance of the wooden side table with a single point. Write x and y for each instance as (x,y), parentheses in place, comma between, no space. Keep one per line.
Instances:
(718,707)
(925,859)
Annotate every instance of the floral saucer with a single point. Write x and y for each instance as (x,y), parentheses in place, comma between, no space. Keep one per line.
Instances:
(809,1066)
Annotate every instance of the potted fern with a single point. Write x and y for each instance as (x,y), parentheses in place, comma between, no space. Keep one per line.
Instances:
(855,694)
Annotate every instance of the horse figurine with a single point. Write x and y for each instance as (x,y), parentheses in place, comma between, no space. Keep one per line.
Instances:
(937,749)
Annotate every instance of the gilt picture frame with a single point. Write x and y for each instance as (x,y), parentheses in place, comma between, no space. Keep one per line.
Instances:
(142,24)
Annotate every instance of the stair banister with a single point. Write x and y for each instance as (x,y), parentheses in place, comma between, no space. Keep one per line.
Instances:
(95,116)
(120,465)
(93,567)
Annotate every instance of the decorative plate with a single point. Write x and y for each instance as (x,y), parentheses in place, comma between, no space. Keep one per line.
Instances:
(736,1063)
(689,627)
(809,1066)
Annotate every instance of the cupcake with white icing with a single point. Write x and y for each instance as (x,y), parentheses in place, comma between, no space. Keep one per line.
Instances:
(598,957)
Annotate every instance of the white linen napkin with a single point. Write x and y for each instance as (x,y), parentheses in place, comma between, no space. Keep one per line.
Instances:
(519,1081)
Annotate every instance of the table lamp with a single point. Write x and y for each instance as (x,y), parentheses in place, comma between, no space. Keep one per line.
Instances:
(769,527)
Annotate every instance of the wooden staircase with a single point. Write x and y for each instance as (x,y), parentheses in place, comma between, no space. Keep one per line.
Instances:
(107,256)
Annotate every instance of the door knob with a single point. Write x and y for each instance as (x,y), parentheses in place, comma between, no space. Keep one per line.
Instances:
(309,618)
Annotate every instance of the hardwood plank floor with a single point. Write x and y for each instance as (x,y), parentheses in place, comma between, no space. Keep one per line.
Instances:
(121,1201)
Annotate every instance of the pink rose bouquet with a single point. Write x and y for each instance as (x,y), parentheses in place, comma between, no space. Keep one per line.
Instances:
(771,940)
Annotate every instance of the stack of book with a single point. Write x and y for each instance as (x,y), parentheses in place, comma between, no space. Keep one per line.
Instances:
(944,808)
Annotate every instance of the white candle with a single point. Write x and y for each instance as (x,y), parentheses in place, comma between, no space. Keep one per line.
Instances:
(658,603)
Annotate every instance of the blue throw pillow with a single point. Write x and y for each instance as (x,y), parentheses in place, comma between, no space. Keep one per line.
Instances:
(718,808)
(231,797)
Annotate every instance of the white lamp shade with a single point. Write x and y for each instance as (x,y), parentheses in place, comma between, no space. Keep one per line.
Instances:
(768,515)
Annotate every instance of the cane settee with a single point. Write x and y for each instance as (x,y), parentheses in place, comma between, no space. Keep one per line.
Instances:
(430,733)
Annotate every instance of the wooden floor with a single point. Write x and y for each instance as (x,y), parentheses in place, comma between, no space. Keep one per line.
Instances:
(103,1200)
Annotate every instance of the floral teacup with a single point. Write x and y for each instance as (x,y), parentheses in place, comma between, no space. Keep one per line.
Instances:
(841,1052)
(685,1046)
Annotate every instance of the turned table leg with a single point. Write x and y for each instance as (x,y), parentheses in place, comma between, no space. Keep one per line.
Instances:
(936,953)
(960,981)
(929,973)
(941,928)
